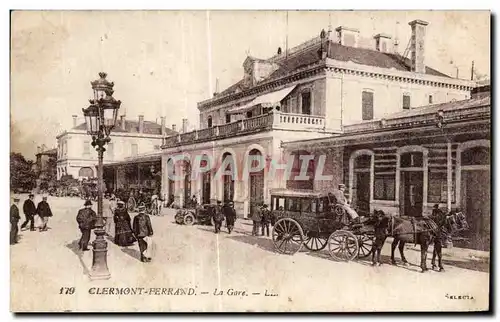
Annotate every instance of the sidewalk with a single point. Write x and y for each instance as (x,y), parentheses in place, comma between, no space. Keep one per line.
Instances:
(245,225)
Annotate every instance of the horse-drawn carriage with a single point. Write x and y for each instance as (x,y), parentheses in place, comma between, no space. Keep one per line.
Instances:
(306,218)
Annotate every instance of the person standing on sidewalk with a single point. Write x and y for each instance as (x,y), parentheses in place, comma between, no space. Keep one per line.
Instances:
(43,210)
(86,219)
(14,221)
(230,214)
(29,210)
(108,215)
(266,219)
(218,217)
(256,218)
(142,229)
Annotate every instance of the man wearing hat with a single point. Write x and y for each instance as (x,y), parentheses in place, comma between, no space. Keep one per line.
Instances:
(256,217)
(218,217)
(142,228)
(14,220)
(43,210)
(86,219)
(230,214)
(29,210)
(266,219)
(339,199)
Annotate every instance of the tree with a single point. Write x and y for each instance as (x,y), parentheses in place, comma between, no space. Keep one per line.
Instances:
(22,174)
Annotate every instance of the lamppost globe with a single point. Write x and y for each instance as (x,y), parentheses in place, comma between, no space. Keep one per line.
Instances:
(100,118)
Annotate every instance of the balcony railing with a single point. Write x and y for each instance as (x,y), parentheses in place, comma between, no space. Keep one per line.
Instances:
(276,120)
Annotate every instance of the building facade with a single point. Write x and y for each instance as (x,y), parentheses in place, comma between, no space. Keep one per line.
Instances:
(408,162)
(77,157)
(315,90)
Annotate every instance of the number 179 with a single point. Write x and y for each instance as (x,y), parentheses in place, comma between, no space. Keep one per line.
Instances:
(67,290)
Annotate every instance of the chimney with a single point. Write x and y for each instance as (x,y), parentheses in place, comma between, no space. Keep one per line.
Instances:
(417,45)
(216,87)
(122,122)
(74,120)
(347,36)
(163,132)
(141,123)
(383,43)
(174,127)
(184,125)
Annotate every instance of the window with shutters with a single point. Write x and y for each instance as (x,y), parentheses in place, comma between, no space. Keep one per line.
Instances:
(86,148)
(228,118)
(367,105)
(209,121)
(406,102)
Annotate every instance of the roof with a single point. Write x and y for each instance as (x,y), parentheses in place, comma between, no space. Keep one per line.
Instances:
(266,100)
(362,56)
(133,127)
(46,152)
(298,193)
(145,157)
(430,109)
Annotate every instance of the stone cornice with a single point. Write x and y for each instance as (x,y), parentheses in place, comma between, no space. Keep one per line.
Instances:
(114,134)
(351,68)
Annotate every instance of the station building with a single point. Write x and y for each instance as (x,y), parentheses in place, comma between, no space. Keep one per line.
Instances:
(312,98)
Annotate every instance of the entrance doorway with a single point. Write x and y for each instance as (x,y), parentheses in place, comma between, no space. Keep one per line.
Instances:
(411,193)
(256,185)
(362,190)
(475,196)
(228,179)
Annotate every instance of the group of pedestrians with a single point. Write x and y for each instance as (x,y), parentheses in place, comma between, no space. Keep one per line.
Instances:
(126,233)
(30,212)
(221,213)
(262,217)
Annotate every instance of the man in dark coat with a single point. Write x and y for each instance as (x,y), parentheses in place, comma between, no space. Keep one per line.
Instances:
(266,219)
(256,218)
(218,217)
(14,220)
(230,214)
(29,210)
(86,219)
(43,210)
(142,228)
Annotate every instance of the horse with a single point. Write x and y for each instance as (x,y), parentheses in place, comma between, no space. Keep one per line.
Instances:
(423,231)
(380,224)
(453,222)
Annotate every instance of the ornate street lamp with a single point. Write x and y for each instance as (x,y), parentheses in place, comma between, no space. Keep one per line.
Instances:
(100,118)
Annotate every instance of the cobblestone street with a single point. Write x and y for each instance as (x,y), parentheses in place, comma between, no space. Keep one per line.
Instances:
(195,257)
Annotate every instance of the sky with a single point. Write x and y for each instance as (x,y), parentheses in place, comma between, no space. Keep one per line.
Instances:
(164,62)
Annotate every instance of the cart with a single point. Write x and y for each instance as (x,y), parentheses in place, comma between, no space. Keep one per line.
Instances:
(306,218)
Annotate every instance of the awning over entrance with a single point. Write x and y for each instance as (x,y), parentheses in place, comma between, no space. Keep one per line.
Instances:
(266,100)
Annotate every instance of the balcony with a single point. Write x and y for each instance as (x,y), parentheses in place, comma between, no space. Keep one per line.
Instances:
(276,120)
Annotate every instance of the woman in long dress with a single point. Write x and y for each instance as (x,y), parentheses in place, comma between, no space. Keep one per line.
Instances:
(123,228)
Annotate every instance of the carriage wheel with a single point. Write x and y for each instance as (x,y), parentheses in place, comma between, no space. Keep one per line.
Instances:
(131,204)
(343,245)
(189,219)
(287,236)
(365,243)
(178,219)
(314,242)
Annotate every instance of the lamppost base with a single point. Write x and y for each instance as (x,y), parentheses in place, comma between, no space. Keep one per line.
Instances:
(100,269)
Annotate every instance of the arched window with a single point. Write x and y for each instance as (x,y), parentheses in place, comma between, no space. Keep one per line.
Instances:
(86,172)
(209,121)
